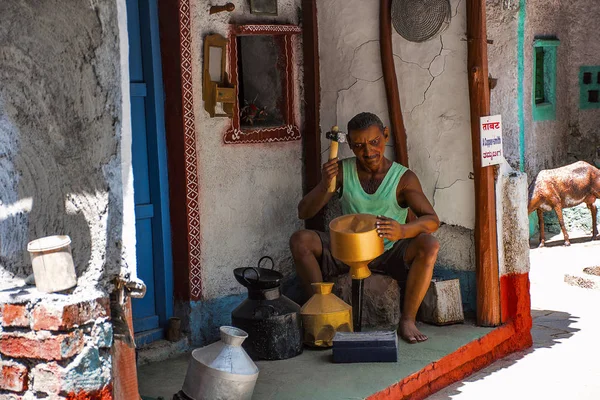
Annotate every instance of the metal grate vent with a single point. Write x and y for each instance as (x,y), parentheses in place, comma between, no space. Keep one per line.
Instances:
(420,20)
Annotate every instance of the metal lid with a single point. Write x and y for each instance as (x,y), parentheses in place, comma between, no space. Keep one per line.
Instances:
(48,243)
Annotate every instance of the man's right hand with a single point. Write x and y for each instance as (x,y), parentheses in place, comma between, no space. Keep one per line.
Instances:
(330,170)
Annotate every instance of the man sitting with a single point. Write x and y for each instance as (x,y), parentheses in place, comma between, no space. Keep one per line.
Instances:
(372,184)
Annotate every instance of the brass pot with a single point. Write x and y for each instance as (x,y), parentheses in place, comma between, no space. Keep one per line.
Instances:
(323,315)
(355,242)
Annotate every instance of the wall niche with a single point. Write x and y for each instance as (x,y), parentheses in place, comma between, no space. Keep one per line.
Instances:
(262,67)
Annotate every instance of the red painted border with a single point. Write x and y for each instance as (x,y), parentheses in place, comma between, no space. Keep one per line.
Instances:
(513,336)
(191,157)
(290,130)
(264,29)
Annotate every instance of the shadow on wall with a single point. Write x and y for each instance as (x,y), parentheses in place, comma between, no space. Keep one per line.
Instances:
(60,164)
(549,329)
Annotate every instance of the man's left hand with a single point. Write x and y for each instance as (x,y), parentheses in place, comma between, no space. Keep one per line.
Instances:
(389,228)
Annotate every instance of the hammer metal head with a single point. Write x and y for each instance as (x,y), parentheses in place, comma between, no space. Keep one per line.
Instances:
(336,135)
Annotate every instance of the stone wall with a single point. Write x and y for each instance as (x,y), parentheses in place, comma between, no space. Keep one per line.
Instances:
(62,122)
(574,135)
(55,348)
(546,142)
(583,134)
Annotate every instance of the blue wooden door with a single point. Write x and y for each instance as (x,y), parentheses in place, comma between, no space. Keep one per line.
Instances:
(150,179)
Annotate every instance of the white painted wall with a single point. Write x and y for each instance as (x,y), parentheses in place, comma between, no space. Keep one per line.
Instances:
(248,193)
(502,21)
(434,96)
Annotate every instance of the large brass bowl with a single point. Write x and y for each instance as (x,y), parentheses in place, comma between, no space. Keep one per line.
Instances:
(355,242)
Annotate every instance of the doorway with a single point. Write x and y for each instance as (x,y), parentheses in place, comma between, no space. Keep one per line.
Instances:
(150,177)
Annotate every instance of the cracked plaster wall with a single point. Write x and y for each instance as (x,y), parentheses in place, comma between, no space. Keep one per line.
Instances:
(433,86)
(65,135)
(248,193)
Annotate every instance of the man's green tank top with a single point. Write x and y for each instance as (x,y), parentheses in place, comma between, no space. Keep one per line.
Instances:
(383,202)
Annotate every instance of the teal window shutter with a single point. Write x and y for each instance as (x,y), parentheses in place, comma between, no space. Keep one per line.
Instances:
(589,87)
(539,75)
(544,82)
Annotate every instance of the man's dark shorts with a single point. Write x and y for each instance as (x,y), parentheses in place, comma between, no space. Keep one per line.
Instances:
(389,263)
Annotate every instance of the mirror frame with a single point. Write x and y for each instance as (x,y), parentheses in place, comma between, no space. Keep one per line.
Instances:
(290,130)
(213,92)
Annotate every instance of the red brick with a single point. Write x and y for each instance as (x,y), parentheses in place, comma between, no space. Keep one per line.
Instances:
(103,394)
(41,346)
(55,317)
(15,315)
(14,376)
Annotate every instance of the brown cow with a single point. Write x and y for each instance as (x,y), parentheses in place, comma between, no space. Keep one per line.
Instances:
(564,187)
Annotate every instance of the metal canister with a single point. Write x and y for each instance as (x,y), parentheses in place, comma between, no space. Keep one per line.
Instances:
(222,370)
(271,319)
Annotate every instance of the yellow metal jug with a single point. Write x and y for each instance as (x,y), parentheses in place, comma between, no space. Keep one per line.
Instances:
(324,315)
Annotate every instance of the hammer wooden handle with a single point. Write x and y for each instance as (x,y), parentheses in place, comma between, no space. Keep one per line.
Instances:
(333,153)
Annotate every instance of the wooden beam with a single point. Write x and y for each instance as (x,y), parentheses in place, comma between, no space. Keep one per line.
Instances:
(391,82)
(311,136)
(168,22)
(486,245)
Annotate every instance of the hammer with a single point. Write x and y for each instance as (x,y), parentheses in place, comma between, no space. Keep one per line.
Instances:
(336,137)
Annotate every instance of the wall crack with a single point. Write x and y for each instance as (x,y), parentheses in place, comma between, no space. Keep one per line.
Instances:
(432,75)
(452,184)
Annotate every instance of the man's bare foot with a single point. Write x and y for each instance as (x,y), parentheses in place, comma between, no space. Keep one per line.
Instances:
(409,332)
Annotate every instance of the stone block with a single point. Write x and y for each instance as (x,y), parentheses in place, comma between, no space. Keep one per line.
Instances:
(15,315)
(381,299)
(442,304)
(57,317)
(41,345)
(14,376)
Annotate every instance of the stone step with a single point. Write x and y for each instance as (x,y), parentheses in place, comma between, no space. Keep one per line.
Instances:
(161,350)
(146,337)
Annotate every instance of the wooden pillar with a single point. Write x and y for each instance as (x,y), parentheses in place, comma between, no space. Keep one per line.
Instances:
(486,245)
(124,373)
(168,22)
(391,82)
(311,136)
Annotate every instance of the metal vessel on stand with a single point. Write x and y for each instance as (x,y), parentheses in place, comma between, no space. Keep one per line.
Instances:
(355,242)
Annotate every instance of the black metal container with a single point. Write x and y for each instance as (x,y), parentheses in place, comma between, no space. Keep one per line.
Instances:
(272,320)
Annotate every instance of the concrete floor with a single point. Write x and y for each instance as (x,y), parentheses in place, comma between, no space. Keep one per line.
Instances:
(563,362)
(313,376)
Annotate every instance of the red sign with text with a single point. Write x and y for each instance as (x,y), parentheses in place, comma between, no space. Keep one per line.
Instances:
(491,140)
